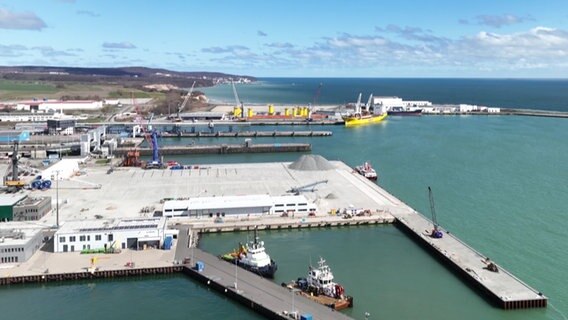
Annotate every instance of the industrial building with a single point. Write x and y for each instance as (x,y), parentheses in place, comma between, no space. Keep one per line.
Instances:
(389,102)
(134,233)
(20,207)
(19,241)
(28,116)
(57,105)
(7,203)
(237,206)
(31,208)
(61,126)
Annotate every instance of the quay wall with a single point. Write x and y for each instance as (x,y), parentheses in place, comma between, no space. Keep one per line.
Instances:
(231,293)
(486,293)
(223,149)
(101,274)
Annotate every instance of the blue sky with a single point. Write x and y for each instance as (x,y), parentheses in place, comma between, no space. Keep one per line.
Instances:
(403,38)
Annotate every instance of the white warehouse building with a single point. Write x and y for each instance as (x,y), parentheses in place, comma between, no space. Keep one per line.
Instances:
(389,102)
(57,105)
(134,233)
(238,206)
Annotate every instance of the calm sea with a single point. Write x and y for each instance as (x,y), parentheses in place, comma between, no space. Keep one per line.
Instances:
(509,93)
(500,184)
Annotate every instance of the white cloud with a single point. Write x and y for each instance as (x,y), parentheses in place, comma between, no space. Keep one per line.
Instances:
(118,45)
(20,21)
(410,48)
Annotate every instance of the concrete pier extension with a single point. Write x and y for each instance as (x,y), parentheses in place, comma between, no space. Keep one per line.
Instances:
(501,288)
(259,294)
(223,149)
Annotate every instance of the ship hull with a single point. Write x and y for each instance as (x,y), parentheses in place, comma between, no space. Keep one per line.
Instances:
(358,121)
(267,271)
(405,113)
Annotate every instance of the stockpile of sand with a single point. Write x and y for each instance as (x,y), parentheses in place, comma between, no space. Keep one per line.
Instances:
(311,162)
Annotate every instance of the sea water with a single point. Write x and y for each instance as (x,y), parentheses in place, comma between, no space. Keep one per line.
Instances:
(499,182)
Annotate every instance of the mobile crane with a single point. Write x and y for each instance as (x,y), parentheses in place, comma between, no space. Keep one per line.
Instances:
(436,232)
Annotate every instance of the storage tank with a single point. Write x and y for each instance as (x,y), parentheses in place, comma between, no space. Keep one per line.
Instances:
(250,113)
(286,112)
(270,110)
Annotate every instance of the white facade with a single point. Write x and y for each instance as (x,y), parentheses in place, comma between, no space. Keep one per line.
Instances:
(494,110)
(389,102)
(55,105)
(135,233)
(19,241)
(237,206)
(28,117)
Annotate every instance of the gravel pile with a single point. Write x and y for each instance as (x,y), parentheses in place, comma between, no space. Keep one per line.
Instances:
(311,162)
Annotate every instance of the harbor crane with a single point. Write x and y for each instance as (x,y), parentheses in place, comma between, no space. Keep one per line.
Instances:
(185,101)
(436,232)
(238,101)
(358,105)
(14,181)
(152,139)
(308,187)
(369,103)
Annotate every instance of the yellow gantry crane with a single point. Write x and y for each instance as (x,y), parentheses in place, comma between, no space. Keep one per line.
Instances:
(13,180)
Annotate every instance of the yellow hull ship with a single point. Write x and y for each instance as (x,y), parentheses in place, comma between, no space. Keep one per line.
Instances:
(357,120)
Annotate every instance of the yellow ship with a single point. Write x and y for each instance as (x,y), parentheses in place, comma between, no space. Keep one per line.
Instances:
(361,117)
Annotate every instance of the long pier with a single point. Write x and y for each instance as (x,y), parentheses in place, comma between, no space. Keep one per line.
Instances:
(251,290)
(222,149)
(501,288)
(247,134)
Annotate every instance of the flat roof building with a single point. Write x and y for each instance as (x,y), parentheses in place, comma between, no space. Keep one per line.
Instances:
(237,206)
(19,241)
(31,208)
(7,203)
(134,233)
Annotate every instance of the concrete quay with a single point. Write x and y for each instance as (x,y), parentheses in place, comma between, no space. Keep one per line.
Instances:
(222,149)
(246,134)
(502,288)
(126,191)
(284,223)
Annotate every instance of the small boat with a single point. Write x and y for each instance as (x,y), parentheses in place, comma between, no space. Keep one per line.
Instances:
(319,287)
(367,171)
(404,111)
(252,256)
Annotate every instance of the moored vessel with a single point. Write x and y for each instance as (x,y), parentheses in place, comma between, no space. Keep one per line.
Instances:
(367,171)
(404,111)
(320,287)
(252,256)
(368,115)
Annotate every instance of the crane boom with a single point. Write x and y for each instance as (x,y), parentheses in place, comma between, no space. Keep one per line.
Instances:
(310,187)
(436,233)
(237,100)
(368,105)
(185,100)
(358,105)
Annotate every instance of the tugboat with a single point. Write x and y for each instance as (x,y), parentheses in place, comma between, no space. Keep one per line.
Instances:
(253,257)
(319,287)
(367,171)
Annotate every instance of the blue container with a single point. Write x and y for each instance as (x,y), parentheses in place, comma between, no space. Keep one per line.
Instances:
(306,316)
(199,266)
(168,243)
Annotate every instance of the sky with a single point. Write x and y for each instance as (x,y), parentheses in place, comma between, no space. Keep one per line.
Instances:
(333,38)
